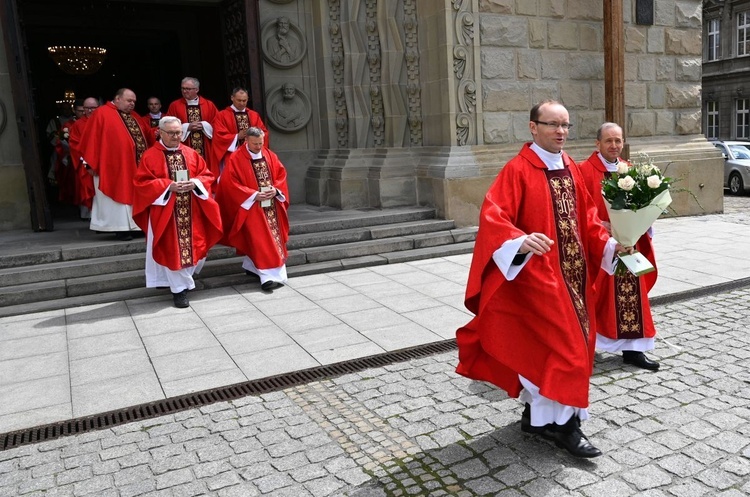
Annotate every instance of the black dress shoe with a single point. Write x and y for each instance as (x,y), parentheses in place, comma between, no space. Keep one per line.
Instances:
(270,285)
(123,236)
(547,431)
(251,274)
(639,359)
(570,437)
(181,299)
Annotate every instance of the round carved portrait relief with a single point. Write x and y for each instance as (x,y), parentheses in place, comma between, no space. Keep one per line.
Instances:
(282,43)
(288,107)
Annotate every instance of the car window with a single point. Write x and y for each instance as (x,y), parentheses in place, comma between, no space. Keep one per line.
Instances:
(740,151)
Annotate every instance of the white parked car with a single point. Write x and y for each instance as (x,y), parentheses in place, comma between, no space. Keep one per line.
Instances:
(736,165)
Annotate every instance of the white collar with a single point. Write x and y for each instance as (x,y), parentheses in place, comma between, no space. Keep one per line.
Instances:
(193,102)
(155,116)
(609,166)
(552,161)
(238,110)
(253,155)
(171,149)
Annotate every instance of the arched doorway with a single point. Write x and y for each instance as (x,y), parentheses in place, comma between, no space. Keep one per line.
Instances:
(150,46)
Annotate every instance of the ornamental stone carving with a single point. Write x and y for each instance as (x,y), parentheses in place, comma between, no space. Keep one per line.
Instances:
(289,108)
(283,44)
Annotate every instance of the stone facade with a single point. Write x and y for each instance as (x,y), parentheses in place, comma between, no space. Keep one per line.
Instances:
(726,75)
(381,103)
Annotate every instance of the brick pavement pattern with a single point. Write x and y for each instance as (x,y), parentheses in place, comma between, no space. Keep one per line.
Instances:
(416,428)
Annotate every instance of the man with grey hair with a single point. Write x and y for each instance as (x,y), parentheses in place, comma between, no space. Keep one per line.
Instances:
(197,115)
(623,313)
(254,198)
(174,207)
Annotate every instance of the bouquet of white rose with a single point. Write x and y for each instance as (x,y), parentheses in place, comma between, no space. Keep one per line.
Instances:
(636,195)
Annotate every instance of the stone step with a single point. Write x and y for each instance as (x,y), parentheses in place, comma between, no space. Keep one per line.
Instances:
(58,297)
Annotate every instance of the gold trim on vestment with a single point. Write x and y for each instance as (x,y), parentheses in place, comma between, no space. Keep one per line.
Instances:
(243,123)
(569,246)
(135,132)
(196,137)
(628,306)
(182,209)
(263,176)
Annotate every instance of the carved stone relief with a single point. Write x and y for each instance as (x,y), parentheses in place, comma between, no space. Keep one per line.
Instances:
(337,63)
(462,64)
(413,91)
(282,43)
(289,108)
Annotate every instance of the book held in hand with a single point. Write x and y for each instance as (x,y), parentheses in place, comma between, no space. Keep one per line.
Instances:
(636,263)
(266,203)
(181,175)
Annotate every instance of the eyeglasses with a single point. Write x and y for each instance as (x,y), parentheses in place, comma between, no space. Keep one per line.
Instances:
(173,134)
(187,89)
(565,126)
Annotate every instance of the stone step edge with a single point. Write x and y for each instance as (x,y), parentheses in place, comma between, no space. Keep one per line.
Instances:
(239,279)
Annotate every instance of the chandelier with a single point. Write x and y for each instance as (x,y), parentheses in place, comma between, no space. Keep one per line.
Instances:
(70,97)
(78,60)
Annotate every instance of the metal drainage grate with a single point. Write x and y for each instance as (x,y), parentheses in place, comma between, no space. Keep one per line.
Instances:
(184,402)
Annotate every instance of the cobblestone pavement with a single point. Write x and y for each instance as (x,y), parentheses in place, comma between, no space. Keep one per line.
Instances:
(737,209)
(416,428)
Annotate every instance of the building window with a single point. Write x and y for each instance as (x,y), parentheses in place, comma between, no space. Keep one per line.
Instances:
(743,33)
(712,120)
(742,117)
(714,52)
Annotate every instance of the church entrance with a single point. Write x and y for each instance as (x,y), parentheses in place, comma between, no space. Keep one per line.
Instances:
(150,46)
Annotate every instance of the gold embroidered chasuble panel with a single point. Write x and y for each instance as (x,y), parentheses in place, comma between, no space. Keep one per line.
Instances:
(135,132)
(263,176)
(243,123)
(628,306)
(569,246)
(182,209)
(196,137)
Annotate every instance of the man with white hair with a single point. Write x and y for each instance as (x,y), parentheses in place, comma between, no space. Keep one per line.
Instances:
(175,208)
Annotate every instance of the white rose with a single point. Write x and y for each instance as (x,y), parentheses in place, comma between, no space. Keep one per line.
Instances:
(653,181)
(622,167)
(627,183)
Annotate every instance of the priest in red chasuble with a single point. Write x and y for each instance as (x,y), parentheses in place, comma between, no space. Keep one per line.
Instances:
(254,198)
(230,127)
(84,191)
(112,145)
(197,115)
(538,247)
(174,207)
(623,313)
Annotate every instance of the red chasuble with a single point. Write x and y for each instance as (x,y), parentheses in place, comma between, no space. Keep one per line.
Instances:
(113,143)
(260,233)
(186,227)
(539,325)
(84,181)
(226,126)
(622,307)
(204,111)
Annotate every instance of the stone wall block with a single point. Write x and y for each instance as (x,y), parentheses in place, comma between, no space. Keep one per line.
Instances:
(505,96)
(554,65)
(631,67)
(688,69)
(497,127)
(655,40)
(521,131)
(576,95)
(646,68)
(635,39)
(543,90)
(683,42)
(587,124)
(590,10)
(585,66)
(641,124)
(529,65)
(597,95)
(688,14)
(552,8)
(501,31)
(683,96)
(527,7)
(688,123)
(497,63)
(563,35)
(665,69)
(656,96)
(664,13)
(537,33)
(665,122)
(635,95)
(496,6)
(590,37)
